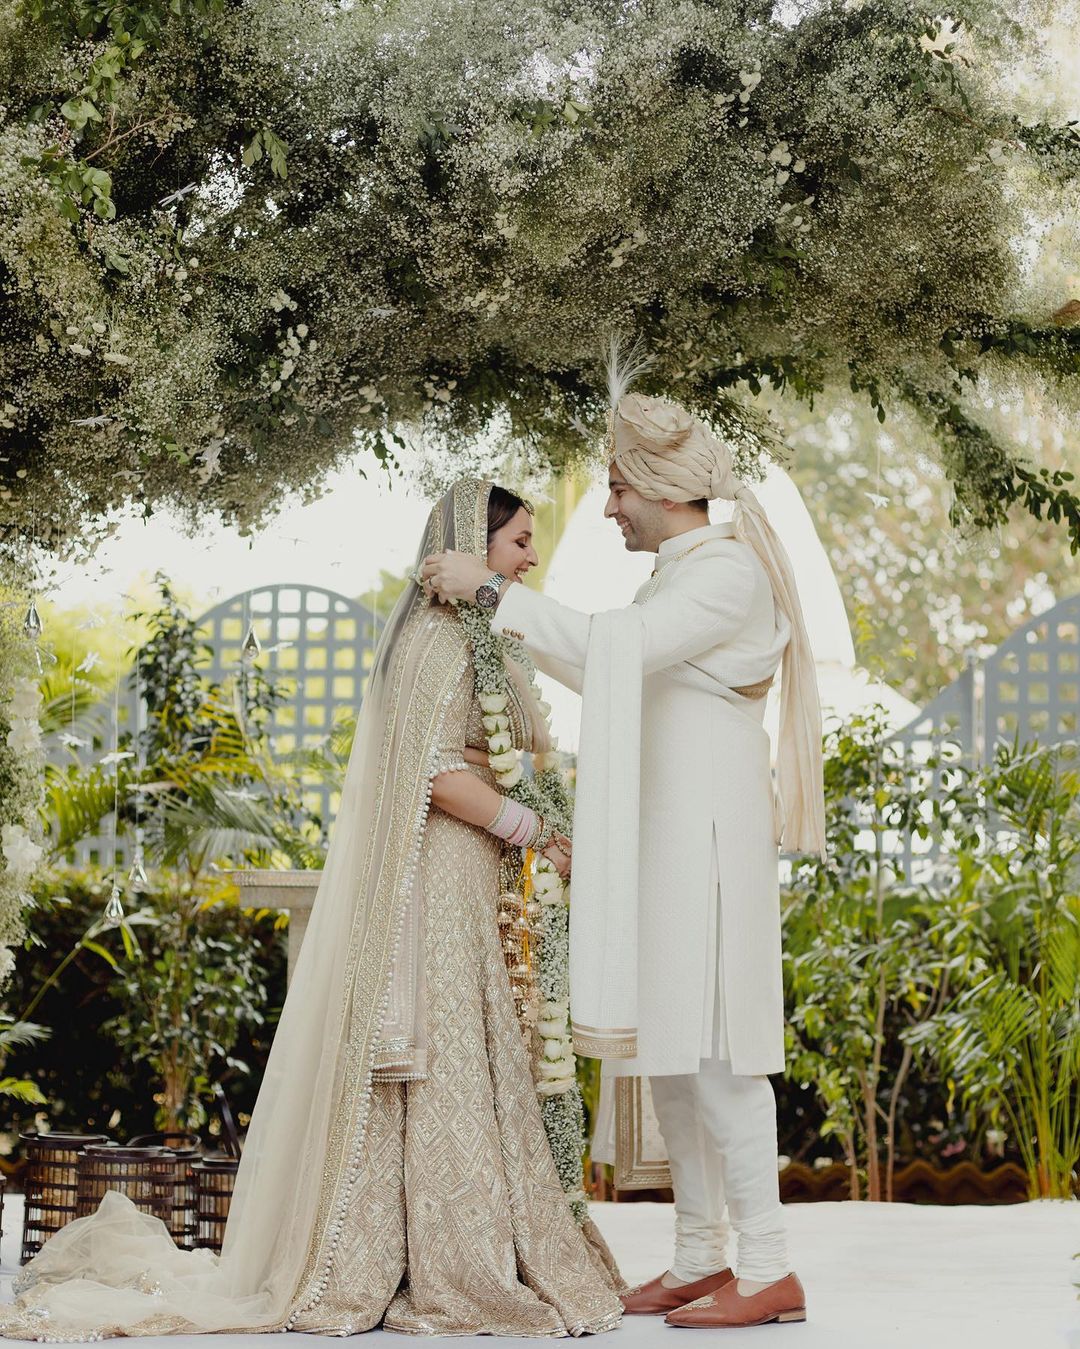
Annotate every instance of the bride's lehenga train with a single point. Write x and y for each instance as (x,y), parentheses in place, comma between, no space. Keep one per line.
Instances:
(396,1169)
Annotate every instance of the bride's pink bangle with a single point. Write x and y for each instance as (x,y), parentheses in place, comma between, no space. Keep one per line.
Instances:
(515,824)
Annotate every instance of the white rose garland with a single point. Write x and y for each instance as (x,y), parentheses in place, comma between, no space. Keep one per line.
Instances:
(548,914)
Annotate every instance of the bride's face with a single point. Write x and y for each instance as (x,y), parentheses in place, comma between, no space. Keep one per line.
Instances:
(511,550)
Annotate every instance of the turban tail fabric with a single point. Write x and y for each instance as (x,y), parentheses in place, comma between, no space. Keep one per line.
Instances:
(665,453)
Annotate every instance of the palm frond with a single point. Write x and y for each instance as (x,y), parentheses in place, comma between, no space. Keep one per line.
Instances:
(18,1034)
(213,821)
(1062,955)
(19,1089)
(76,801)
(80,704)
(989,1022)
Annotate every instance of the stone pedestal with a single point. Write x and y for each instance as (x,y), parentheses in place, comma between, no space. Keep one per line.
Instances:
(291,890)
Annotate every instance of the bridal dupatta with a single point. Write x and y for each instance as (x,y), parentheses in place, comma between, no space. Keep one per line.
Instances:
(354,1010)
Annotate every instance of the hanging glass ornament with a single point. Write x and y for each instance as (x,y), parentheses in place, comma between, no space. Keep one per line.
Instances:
(114,909)
(252,646)
(138,881)
(32,624)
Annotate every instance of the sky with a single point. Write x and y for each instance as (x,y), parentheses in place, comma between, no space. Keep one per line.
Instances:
(359,527)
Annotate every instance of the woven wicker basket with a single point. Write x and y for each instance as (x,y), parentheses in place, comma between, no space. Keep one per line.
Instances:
(50,1184)
(186,1150)
(215,1178)
(150,1177)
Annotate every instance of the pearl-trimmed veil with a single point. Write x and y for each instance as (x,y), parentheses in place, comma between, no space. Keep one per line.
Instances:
(117,1272)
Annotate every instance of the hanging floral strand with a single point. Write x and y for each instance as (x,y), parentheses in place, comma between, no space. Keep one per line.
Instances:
(534,911)
(114,908)
(138,881)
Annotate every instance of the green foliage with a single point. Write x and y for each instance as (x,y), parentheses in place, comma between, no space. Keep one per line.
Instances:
(16,1035)
(200,783)
(265,142)
(184,1003)
(1010,1040)
(868,956)
(237,241)
(974,982)
(921,596)
(211,793)
(77,801)
(89,1082)
(20,765)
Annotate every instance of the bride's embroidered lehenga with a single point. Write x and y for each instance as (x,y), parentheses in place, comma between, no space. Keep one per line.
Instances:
(396,1169)
(457,1175)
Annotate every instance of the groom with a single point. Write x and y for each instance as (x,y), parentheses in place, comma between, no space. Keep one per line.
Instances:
(675,950)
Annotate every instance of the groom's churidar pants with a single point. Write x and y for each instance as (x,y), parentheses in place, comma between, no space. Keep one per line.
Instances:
(720,1134)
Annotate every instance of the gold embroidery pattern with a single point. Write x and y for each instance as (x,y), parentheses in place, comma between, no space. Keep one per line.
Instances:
(457,1223)
(533,1271)
(435,647)
(597,1043)
(754,691)
(634,1170)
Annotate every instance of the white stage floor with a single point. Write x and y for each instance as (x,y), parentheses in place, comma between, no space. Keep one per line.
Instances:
(875,1275)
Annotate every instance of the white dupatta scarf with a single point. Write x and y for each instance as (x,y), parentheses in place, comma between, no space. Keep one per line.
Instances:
(604,931)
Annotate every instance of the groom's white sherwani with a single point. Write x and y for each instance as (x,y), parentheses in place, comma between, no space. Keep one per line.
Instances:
(690,824)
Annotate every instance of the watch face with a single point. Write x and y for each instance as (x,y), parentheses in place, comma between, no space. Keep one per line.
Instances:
(487,597)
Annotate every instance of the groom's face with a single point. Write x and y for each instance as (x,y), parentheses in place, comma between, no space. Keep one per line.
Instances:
(640,520)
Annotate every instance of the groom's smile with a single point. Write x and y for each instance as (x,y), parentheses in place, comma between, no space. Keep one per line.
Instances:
(643,524)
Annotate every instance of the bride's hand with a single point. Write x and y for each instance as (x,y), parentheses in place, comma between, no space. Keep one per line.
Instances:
(559,854)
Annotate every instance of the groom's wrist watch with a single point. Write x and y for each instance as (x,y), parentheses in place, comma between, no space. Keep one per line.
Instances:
(487,597)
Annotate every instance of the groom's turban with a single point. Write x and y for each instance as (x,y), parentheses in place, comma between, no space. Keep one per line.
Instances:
(666,453)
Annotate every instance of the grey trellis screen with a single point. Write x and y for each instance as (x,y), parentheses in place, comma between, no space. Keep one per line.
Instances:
(1032,688)
(323,644)
(1027,690)
(944,730)
(319,643)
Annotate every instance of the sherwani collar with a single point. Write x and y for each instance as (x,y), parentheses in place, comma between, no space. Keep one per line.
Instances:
(674,547)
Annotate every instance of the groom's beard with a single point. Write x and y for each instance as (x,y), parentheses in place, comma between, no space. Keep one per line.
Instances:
(636,544)
(630,536)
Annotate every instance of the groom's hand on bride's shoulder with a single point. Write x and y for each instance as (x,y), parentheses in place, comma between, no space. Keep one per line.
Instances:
(453,576)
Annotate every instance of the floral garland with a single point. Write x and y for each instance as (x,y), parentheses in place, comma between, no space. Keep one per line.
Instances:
(540,909)
(114,367)
(22,767)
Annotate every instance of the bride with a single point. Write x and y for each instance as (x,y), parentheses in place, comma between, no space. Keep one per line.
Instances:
(397,1169)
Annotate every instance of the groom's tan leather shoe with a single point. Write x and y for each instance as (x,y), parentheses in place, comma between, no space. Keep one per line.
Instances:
(781,1301)
(654,1299)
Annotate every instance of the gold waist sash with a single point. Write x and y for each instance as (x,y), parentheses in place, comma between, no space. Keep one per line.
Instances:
(758,690)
